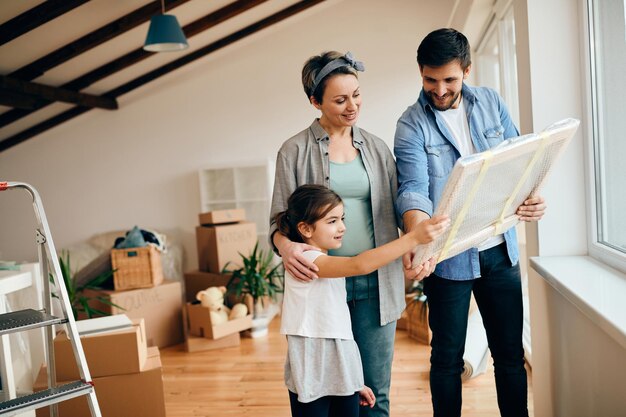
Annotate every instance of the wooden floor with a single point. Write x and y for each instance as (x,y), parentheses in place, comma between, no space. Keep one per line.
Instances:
(248,381)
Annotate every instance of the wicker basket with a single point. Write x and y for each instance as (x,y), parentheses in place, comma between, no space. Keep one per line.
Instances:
(417,322)
(136,268)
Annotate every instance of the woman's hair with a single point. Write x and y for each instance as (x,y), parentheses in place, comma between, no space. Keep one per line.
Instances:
(313,66)
(308,204)
(443,46)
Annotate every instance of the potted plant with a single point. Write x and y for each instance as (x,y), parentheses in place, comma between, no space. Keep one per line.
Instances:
(260,279)
(75,291)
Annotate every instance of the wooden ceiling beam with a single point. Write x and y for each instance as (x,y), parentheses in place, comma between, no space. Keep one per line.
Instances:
(20,100)
(139,81)
(47,94)
(109,31)
(35,17)
(210,20)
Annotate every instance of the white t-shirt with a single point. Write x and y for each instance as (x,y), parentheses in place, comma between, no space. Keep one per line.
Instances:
(456,121)
(316,308)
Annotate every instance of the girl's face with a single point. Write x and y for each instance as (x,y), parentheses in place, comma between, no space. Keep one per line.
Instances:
(327,232)
(341,101)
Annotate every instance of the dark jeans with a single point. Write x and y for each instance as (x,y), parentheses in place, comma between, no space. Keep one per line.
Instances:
(329,406)
(498,294)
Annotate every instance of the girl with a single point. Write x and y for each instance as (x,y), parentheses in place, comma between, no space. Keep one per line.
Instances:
(323,369)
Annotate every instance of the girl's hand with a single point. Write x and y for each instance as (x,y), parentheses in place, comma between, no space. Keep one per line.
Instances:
(427,230)
(298,266)
(366,397)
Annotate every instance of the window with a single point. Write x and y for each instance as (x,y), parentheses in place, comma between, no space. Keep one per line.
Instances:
(496,64)
(607,53)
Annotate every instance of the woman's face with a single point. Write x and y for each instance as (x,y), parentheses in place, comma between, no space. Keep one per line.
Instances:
(341,101)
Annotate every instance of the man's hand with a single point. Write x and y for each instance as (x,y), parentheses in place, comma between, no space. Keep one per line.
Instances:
(532,209)
(294,261)
(419,272)
(412,219)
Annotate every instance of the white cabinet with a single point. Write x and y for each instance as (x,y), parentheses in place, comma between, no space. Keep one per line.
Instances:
(240,185)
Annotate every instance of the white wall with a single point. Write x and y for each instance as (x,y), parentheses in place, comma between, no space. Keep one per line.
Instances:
(576,364)
(551,88)
(111,170)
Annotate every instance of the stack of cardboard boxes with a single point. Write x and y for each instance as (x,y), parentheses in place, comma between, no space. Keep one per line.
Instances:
(221,237)
(126,372)
(142,292)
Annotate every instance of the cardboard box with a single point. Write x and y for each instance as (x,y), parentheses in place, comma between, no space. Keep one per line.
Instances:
(115,353)
(222,216)
(130,395)
(201,344)
(200,323)
(220,245)
(160,307)
(197,281)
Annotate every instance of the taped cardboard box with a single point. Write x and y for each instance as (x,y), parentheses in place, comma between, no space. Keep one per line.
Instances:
(222,216)
(160,307)
(112,353)
(200,323)
(130,395)
(198,281)
(221,245)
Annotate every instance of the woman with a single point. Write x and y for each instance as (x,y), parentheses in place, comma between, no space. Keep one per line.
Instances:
(359,167)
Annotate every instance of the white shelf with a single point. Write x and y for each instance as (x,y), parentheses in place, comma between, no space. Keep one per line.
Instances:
(246,186)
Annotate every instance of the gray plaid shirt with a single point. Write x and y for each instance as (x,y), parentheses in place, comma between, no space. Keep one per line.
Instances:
(303,159)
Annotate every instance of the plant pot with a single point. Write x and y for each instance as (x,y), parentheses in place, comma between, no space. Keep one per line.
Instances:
(263,312)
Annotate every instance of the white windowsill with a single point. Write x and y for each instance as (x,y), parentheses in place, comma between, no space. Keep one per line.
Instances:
(597,290)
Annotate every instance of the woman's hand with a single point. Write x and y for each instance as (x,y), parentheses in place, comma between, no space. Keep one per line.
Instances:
(294,261)
(532,209)
(366,397)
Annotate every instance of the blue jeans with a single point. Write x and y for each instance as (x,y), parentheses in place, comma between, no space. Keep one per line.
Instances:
(375,343)
(498,294)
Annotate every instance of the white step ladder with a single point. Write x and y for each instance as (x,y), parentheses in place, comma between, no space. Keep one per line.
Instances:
(30,319)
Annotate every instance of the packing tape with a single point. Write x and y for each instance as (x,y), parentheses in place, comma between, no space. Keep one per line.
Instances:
(542,146)
(468,202)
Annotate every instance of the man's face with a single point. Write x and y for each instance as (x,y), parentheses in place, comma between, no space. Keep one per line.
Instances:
(443,84)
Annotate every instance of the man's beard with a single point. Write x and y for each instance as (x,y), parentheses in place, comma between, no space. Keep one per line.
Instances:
(432,102)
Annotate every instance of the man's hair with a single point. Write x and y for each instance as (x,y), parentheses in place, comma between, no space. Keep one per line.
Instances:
(443,46)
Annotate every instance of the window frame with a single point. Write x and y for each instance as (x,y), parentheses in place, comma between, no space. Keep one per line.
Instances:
(597,250)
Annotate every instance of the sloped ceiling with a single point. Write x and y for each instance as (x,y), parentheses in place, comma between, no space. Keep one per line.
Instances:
(61,58)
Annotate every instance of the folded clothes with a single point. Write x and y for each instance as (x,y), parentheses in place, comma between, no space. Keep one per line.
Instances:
(139,238)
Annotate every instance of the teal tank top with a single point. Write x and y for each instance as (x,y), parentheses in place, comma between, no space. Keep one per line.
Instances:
(351,182)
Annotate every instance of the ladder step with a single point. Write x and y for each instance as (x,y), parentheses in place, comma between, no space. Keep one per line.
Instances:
(44,398)
(25,320)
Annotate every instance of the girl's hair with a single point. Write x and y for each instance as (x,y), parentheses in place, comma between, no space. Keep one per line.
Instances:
(314,65)
(308,204)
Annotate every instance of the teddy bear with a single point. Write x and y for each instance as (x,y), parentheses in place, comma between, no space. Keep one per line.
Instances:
(213,299)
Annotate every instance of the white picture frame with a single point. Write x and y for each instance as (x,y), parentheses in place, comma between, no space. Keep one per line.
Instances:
(485,189)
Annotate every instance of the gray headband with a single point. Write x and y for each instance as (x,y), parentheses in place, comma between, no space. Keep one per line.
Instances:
(343,61)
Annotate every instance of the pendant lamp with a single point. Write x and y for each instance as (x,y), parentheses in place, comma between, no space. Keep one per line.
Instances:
(165,34)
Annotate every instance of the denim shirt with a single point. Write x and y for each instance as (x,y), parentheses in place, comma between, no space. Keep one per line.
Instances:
(425,153)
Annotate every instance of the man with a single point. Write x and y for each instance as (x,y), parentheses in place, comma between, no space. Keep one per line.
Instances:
(450,120)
